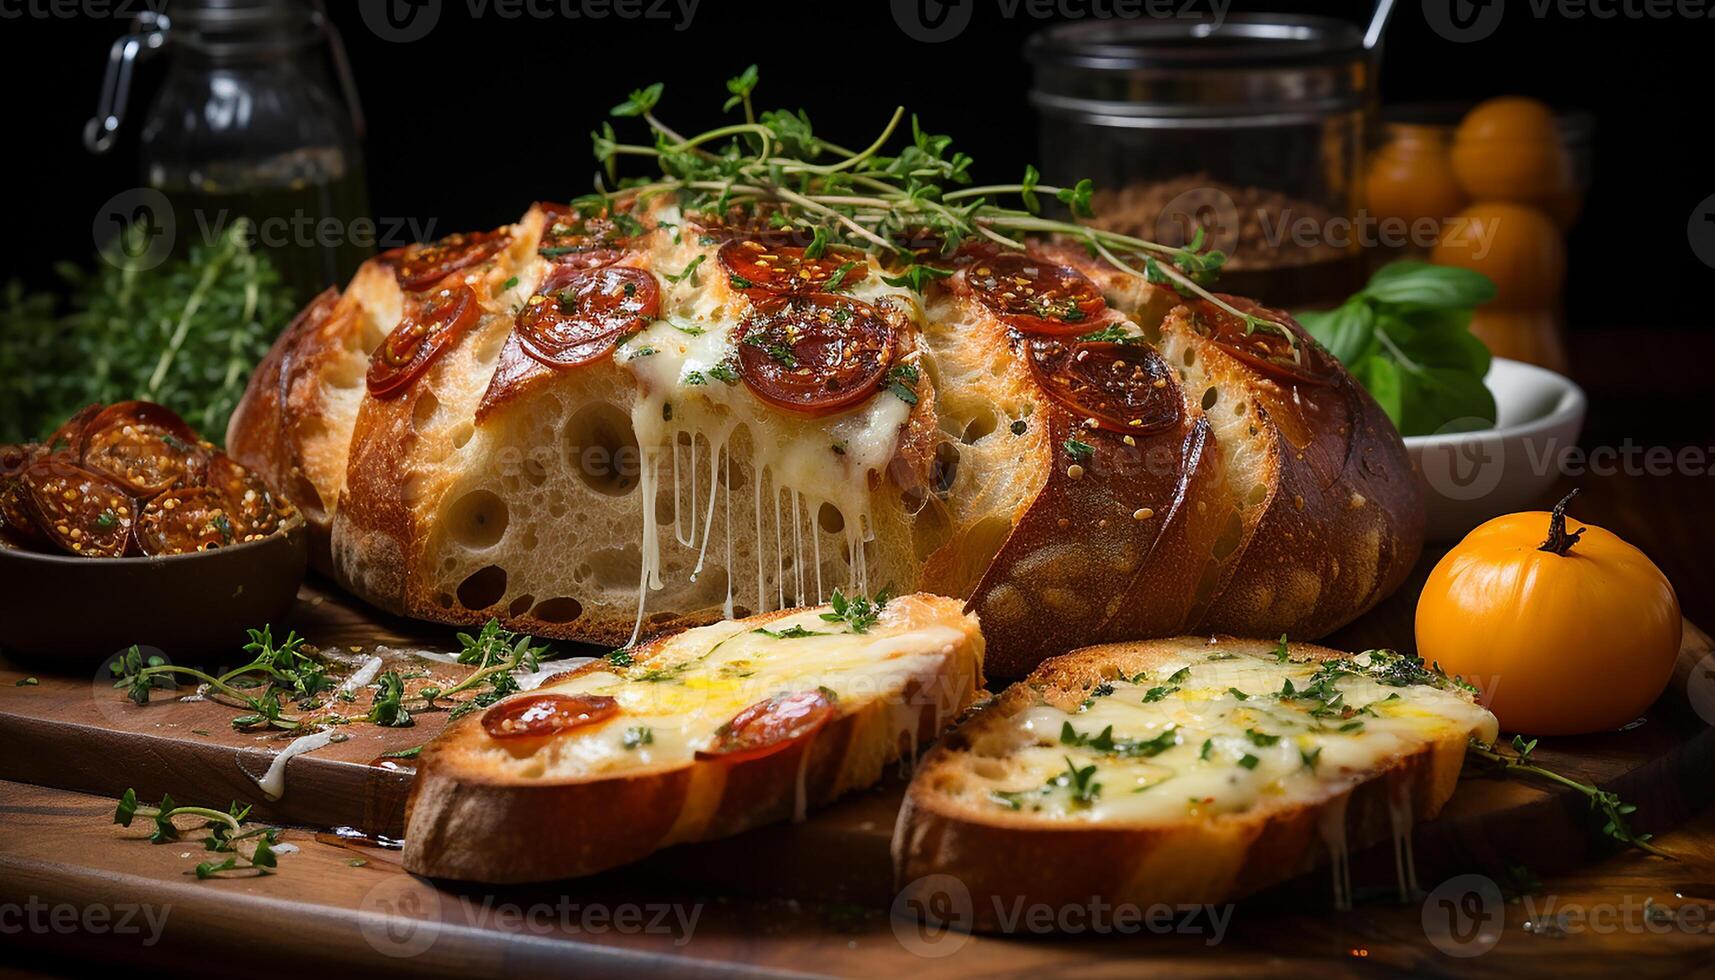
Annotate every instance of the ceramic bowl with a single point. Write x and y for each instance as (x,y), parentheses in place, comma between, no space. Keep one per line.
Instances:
(1470,477)
(65,609)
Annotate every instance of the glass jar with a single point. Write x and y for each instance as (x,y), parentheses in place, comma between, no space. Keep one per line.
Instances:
(248,124)
(1252,128)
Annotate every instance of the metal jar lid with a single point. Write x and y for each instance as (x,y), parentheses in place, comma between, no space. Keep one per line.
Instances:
(1264,69)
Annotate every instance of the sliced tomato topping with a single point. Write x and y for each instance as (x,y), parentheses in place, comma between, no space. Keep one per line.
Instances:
(583,237)
(421,266)
(71,433)
(15,516)
(768,726)
(1036,296)
(144,446)
(815,353)
(79,509)
(430,325)
(1293,357)
(250,506)
(579,315)
(1126,388)
(183,520)
(542,715)
(759,268)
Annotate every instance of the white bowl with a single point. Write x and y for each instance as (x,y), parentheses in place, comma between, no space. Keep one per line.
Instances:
(1469,477)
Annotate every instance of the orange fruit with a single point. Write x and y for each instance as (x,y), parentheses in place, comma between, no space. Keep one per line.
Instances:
(1516,246)
(1509,149)
(1412,178)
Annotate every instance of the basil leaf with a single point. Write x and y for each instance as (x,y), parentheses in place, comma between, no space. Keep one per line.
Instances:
(1347,332)
(1382,377)
(1440,400)
(1419,284)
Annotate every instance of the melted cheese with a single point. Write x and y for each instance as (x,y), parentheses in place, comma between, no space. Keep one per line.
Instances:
(1211,735)
(685,418)
(698,680)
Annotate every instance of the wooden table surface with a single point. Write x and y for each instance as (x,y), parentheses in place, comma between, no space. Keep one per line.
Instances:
(68,877)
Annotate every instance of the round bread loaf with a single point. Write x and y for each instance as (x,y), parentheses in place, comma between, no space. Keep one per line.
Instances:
(598,426)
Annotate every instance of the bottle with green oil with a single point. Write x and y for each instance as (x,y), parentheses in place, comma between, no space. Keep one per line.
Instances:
(250,123)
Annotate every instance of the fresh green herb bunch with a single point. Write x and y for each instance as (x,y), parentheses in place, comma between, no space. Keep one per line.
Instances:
(185,334)
(1407,338)
(892,204)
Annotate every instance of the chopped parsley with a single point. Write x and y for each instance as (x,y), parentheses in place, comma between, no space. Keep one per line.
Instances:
(779,353)
(1129,748)
(1113,333)
(739,282)
(837,281)
(688,272)
(790,633)
(725,372)
(902,382)
(1078,450)
(638,735)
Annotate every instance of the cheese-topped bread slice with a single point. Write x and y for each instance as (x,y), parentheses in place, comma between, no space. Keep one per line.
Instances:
(699,735)
(1187,770)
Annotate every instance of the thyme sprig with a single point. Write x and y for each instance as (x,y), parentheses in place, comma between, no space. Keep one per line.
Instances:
(1608,804)
(282,673)
(226,830)
(892,205)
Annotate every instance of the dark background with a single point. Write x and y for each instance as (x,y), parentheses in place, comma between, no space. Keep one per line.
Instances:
(484,115)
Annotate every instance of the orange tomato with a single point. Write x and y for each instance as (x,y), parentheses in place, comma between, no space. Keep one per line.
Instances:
(1509,149)
(1573,634)
(1514,245)
(1412,178)
(1532,336)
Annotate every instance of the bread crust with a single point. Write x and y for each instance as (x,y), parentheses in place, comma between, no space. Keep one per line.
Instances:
(467,822)
(1006,858)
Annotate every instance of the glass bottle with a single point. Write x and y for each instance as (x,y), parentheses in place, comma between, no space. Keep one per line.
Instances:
(247,123)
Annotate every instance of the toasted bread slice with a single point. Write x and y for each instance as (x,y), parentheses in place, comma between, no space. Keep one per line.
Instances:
(1182,771)
(699,735)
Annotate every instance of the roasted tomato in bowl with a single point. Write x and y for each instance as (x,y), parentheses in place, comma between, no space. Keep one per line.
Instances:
(126,527)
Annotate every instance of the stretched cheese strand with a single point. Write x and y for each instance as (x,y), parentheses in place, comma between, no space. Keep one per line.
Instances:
(816,540)
(717,448)
(1399,816)
(649,575)
(1332,826)
(678,532)
(727,610)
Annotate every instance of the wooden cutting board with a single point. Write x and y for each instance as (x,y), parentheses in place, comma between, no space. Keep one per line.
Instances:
(74,731)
